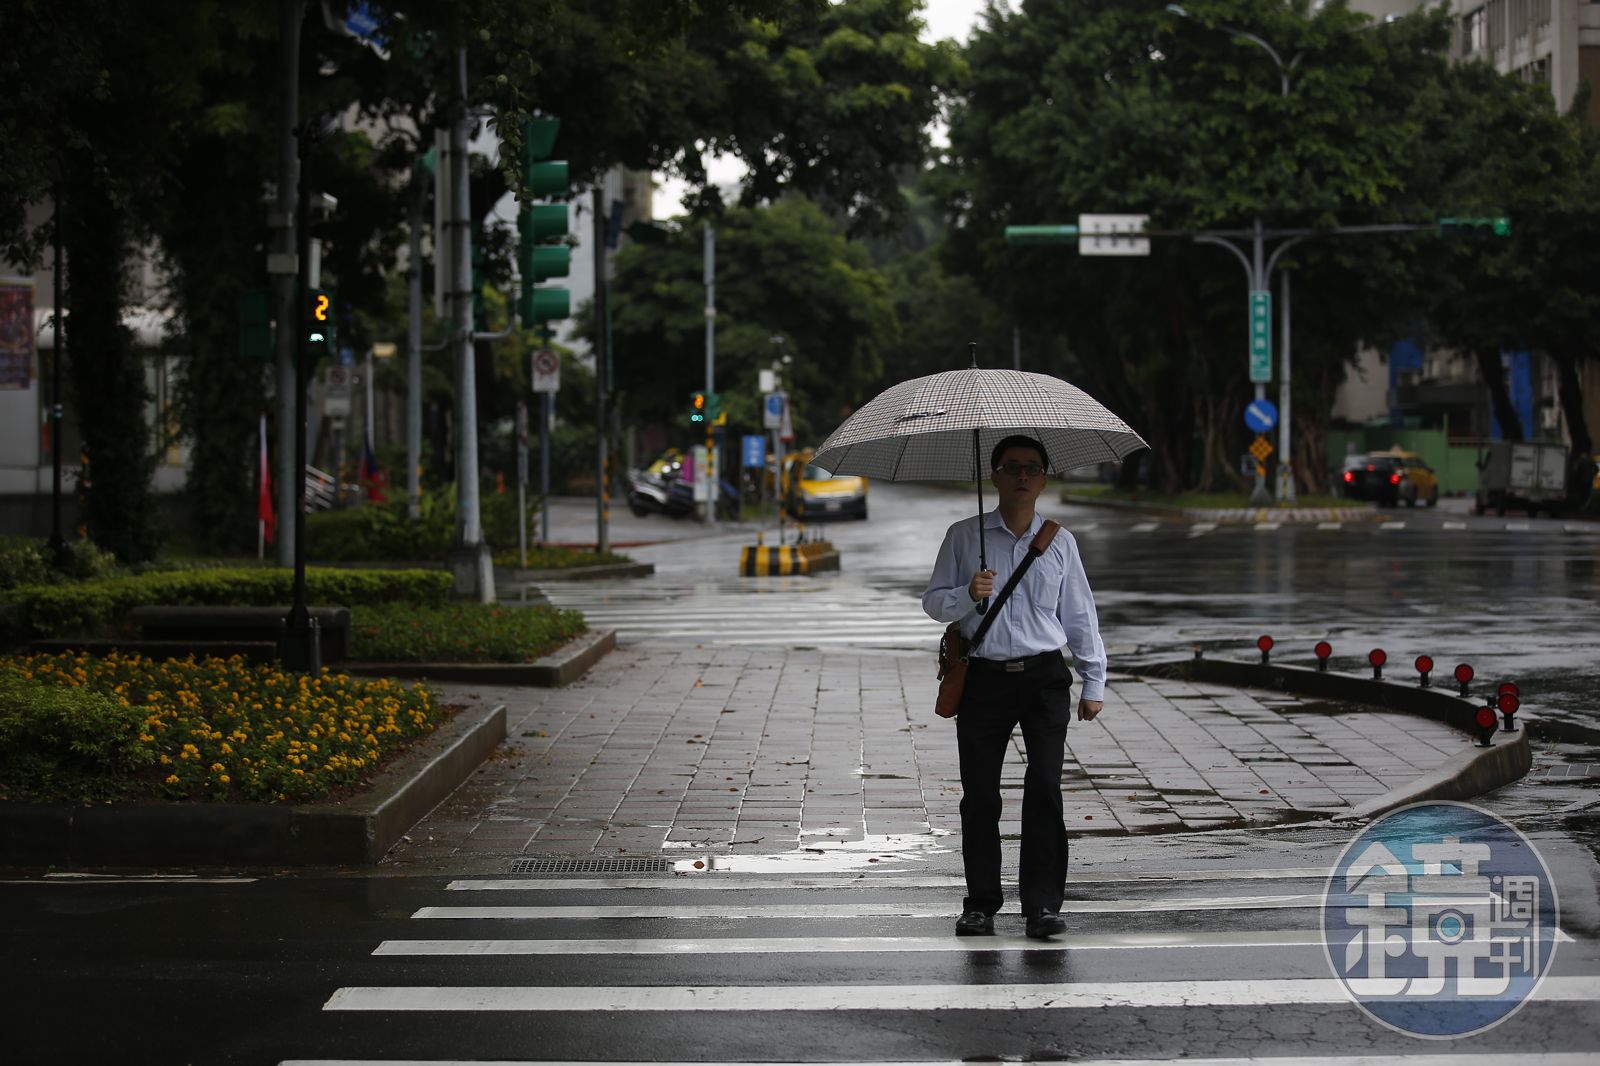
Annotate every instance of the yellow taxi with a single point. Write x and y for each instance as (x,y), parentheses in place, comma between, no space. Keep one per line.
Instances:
(1388,479)
(809,492)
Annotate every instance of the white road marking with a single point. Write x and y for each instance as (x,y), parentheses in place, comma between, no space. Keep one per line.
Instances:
(132,879)
(1087,527)
(1454,525)
(787,997)
(1330,525)
(869,910)
(1517,527)
(1145,527)
(1267,527)
(1203,527)
(715,880)
(1391,525)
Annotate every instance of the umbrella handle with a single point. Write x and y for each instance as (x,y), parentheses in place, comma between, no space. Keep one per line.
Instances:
(977,469)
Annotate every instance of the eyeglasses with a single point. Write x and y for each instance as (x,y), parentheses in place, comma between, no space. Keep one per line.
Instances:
(1020,469)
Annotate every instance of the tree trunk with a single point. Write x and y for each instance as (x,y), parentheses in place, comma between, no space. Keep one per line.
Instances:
(1494,376)
(1581,465)
(108,377)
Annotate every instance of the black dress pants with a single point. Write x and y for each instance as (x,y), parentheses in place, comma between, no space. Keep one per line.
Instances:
(993,704)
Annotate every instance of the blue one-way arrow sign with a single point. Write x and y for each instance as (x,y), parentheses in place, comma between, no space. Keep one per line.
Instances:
(1261,415)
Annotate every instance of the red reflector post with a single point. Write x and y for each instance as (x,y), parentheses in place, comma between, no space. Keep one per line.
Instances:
(1424,665)
(1377,658)
(1264,642)
(1508,704)
(1464,676)
(1323,651)
(1508,686)
(1485,722)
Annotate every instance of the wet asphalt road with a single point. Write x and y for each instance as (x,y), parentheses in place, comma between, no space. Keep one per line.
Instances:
(312,969)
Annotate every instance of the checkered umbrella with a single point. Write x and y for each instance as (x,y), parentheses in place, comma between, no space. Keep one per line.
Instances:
(942,427)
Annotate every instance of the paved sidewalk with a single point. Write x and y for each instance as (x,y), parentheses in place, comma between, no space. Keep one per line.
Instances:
(692,751)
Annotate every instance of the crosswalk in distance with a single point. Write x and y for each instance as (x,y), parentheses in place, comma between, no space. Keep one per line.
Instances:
(730,968)
(734,611)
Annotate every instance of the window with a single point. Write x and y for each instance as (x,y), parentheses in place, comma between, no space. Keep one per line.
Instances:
(1495,16)
(1519,19)
(1474,32)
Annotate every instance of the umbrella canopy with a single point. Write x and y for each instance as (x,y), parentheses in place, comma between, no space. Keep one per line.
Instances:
(942,427)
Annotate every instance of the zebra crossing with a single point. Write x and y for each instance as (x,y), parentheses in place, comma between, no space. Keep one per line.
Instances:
(709,969)
(792,611)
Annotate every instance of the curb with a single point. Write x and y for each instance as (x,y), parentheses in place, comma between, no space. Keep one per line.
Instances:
(353,831)
(1286,515)
(578,573)
(1462,777)
(559,668)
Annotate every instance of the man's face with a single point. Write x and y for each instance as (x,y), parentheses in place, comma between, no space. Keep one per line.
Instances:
(1020,475)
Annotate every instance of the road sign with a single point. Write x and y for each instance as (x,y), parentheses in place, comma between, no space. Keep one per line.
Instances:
(1260,336)
(767,380)
(1113,235)
(336,394)
(772,406)
(546,371)
(1261,449)
(1261,415)
(755,451)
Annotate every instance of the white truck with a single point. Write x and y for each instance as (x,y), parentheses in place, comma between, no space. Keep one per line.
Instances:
(1522,476)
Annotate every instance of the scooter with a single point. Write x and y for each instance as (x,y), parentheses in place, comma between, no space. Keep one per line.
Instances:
(650,494)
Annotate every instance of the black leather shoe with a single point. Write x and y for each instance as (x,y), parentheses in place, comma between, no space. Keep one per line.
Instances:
(975,923)
(1046,924)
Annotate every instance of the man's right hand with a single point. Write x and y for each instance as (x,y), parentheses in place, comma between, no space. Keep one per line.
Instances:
(982,585)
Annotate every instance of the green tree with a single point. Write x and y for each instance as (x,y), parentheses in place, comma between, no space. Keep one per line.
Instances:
(782,271)
(1095,105)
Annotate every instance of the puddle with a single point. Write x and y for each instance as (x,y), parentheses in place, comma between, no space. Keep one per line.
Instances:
(822,854)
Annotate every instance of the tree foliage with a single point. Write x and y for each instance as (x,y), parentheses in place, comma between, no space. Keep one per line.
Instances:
(787,283)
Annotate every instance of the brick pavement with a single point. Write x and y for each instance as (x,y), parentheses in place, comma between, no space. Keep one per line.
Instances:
(695,750)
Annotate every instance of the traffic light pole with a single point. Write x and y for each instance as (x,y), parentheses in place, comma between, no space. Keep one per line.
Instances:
(299,649)
(286,357)
(602,342)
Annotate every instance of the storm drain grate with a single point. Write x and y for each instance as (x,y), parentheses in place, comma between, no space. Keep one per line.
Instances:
(591,866)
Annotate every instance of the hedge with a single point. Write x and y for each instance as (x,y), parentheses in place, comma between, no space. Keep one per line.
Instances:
(88,607)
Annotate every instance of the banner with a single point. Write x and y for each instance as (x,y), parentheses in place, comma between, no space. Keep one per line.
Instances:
(16,333)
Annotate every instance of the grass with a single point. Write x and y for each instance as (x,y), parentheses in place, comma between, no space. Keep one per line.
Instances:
(78,729)
(543,558)
(1198,500)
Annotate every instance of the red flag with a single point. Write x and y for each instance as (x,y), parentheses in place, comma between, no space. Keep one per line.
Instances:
(264,515)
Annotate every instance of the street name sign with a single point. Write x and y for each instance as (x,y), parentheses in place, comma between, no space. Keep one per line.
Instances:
(1261,415)
(1113,235)
(755,451)
(1260,336)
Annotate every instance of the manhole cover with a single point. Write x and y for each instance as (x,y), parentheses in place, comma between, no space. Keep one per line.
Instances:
(559,865)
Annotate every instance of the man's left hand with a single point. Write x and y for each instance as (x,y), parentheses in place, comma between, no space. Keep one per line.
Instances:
(1087,709)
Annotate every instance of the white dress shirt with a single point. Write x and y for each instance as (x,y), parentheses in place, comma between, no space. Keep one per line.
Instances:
(1051,607)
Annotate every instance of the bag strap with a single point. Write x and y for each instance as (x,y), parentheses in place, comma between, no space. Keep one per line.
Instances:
(1036,547)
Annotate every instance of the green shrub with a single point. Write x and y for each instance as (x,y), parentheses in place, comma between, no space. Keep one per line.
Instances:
(65,743)
(386,531)
(468,632)
(87,607)
(24,561)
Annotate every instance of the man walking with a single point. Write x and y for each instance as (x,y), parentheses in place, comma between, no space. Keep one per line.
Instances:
(1017,676)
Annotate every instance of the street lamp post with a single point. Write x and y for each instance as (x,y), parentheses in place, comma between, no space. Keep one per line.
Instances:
(1259,280)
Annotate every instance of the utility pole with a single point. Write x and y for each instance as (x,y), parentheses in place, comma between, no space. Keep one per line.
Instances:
(471,563)
(419,201)
(1285,438)
(601,358)
(711,472)
(283,267)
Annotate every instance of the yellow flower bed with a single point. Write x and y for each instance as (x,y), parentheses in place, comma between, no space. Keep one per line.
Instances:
(230,729)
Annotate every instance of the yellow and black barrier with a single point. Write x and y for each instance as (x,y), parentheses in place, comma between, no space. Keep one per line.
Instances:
(760,560)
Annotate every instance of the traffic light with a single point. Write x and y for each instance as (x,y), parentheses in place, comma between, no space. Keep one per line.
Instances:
(697,408)
(536,262)
(1475,227)
(319,323)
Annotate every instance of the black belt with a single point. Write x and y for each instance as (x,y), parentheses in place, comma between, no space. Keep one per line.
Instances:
(1015,666)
